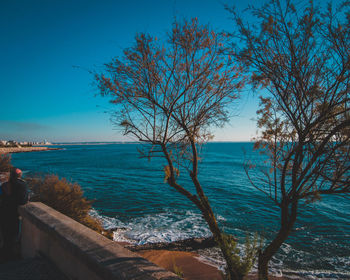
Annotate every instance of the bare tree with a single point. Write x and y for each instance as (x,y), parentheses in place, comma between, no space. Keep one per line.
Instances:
(169,96)
(300,55)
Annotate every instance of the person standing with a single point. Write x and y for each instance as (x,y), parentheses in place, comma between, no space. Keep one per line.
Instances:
(14,193)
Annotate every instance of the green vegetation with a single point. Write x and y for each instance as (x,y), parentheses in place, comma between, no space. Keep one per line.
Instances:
(251,248)
(176,269)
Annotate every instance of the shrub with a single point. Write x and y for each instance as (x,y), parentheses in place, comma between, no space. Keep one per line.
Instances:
(5,162)
(65,197)
(177,270)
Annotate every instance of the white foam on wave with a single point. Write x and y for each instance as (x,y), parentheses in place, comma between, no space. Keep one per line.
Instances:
(213,257)
(166,227)
(278,268)
(107,222)
(116,225)
(316,274)
(161,227)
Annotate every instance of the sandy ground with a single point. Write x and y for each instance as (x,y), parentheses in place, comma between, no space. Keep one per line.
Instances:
(185,262)
(189,264)
(24,149)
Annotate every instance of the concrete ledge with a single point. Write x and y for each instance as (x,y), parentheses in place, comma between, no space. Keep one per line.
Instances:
(79,252)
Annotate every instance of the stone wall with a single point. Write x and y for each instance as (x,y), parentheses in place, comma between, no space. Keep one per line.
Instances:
(79,252)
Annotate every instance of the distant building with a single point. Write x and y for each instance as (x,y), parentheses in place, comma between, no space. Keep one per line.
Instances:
(26,144)
(11,143)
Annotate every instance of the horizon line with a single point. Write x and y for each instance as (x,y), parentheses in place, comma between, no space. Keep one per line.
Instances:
(112,142)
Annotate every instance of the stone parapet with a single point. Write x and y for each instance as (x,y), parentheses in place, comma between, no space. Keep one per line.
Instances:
(79,252)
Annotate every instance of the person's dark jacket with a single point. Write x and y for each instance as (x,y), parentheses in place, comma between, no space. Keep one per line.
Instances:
(11,200)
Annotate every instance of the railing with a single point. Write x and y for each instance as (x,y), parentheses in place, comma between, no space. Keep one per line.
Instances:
(79,252)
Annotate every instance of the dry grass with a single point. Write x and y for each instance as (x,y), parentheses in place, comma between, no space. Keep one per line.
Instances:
(5,162)
(65,197)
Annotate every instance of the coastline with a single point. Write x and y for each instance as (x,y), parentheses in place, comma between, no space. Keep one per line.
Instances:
(190,257)
(12,150)
(192,266)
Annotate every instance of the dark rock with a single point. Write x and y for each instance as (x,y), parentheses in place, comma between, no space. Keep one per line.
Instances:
(190,244)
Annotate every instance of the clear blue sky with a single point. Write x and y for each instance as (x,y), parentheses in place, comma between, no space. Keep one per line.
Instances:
(43,96)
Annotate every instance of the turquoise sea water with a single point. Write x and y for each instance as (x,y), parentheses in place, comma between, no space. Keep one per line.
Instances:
(130,194)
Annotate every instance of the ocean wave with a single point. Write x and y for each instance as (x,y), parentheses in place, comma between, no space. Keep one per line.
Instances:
(161,227)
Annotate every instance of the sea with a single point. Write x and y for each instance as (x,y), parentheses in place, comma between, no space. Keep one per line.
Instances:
(131,196)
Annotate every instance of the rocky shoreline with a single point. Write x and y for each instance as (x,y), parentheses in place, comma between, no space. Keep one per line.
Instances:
(11,150)
(196,258)
(188,245)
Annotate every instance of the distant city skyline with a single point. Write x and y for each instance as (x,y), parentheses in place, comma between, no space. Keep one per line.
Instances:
(48,48)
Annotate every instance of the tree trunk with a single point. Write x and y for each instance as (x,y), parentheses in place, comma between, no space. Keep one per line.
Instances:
(267,254)
(208,214)
(287,223)
(214,228)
